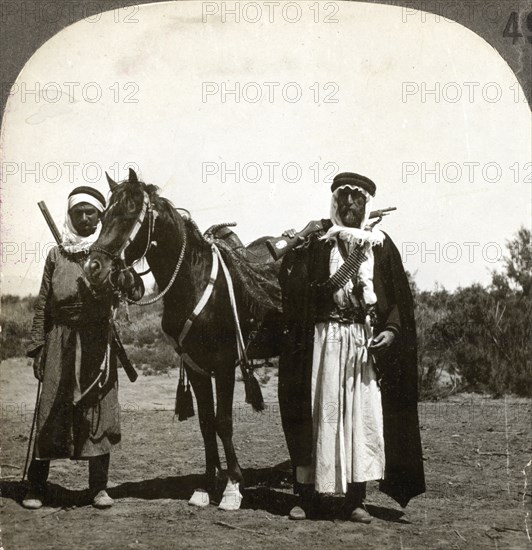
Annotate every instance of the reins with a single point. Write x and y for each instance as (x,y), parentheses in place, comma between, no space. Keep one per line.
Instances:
(170,283)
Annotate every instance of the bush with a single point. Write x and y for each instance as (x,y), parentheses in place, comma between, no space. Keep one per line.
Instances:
(140,325)
(16,316)
(157,359)
(474,339)
(140,330)
(481,336)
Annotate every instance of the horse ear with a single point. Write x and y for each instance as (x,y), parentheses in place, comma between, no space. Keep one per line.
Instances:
(112,183)
(133,176)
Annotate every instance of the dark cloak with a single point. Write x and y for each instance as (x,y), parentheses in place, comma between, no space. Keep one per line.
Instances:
(301,270)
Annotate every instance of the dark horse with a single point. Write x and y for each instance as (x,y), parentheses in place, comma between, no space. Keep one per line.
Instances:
(139,223)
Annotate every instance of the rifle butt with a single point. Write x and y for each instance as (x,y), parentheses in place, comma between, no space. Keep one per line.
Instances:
(129,369)
(279,246)
(121,354)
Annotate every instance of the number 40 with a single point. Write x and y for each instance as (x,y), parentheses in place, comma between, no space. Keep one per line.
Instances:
(512,27)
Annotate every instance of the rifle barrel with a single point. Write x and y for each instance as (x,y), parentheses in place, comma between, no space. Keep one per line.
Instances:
(50,221)
(381,212)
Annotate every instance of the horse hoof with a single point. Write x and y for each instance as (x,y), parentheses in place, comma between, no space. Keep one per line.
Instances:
(231,498)
(199,498)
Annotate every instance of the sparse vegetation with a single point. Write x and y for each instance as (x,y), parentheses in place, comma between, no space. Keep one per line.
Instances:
(16,315)
(472,339)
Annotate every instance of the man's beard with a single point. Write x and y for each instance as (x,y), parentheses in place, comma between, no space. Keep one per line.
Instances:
(351,217)
(86,230)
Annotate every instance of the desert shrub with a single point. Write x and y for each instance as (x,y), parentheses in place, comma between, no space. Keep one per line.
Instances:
(16,316)
(140,325)
(148,333)
(141,332)
(481,335)
(476,337)
(156,359)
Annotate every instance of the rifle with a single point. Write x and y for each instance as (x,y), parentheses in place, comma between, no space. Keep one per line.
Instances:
(279,246)
(50,221)
(117,344)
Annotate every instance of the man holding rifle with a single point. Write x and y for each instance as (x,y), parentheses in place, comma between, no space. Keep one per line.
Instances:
(348,370)
(74,358)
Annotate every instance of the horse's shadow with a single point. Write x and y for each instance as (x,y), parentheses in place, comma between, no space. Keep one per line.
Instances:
(267,489)
(260,492)
(263,491)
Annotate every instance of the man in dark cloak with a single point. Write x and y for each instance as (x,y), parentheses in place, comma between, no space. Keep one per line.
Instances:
(348,369)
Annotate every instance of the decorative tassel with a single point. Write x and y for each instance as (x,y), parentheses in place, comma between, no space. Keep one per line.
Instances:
(184,406)
(252,387)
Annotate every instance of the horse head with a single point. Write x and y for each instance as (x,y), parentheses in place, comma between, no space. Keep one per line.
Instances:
(126,234)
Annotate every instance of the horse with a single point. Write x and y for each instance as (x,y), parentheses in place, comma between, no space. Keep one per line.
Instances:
(140,224)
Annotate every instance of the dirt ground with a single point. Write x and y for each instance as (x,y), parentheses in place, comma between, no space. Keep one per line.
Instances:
(477,459)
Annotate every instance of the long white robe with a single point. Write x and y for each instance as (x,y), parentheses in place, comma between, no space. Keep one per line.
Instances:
(348,439)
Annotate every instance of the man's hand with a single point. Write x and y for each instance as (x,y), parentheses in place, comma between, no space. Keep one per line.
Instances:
(291,233)
(38,366)
(382,341)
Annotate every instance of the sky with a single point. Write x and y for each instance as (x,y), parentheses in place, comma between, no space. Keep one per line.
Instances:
(249,120)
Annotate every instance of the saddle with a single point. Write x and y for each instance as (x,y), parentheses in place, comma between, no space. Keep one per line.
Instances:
(256,252)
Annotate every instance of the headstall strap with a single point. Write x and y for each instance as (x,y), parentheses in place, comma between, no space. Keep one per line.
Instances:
(146,206)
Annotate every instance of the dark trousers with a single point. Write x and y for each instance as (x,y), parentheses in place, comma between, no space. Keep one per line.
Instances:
(98,472)
(356,493)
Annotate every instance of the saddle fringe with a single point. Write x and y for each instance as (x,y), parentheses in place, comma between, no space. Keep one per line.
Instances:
(184,406)
(252,388)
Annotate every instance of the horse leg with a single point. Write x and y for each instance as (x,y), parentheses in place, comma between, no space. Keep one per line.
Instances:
(202,387)
(225,383)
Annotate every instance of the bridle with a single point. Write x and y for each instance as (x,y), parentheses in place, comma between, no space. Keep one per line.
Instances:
(119,257)
(147,208)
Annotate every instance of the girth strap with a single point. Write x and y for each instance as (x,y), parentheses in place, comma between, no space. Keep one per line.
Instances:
(203,301)
(197,310)
(241,348)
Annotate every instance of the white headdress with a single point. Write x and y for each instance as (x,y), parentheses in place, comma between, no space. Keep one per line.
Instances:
(71,241)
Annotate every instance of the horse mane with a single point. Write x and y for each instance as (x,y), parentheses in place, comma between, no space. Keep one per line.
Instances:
(128,196)
(256,286)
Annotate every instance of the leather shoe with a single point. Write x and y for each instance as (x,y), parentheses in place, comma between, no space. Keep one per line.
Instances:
(102,500)
(32,500)
(297,513)
(360,515)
